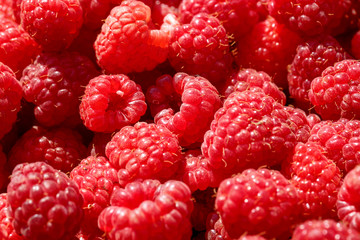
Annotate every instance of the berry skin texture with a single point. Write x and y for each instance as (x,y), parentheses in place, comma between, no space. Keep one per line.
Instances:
(199,101)
(111,102)
(6,9)
(54,83)
(335,93)
(53,24)
(257,201)
(144,151)
(94,12)
(201,47)
(148,210)
(62,148)
(44,202)
(215,229)
(6,228)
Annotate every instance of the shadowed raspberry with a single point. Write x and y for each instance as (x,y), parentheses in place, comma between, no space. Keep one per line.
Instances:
(98,144)
(204,204)
(355,45)
(95,11)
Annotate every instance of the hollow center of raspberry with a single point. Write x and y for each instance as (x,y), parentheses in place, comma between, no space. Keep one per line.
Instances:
(117,101)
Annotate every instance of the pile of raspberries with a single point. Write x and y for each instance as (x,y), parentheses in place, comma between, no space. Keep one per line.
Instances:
(179,119)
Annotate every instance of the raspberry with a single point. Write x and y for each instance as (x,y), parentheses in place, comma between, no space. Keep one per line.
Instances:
(269,47)
(84,43)
(245,78)
(257,201)
(6,9)
(54,83)
(62,148)
(149,210)
(111,102)
(144,151)
(128,41)
(200,100)
(349,21)
(323,229)
(10,94)
(215,229)
(312,57)
(94,12)
(201,47)
(317,180)
(4,174)
(310,17)
(96,180)
(44,202)
(355,45)
(6,227)
(204,204)
(98,144)
(53,24)
(335,93)
(97,235)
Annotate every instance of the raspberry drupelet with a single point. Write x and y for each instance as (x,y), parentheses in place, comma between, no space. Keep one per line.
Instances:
(6,221)
(6,9)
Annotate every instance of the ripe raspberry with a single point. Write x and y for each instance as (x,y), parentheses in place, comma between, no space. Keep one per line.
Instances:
(201,47)
(44,202)
(6,9)
(96,180)
(94,12)
(317,180)
(111,102)
(128,41)
(53,24)
(204,204)
(149,210)
(84,43)
(54,83)
(243,79)
(355,45)
(62,148)
(269,47)
(324,229)
(311,17)
(349,20)
(253,130)
(144,151)
(335,93)
(97,235)
(215,229)
(312,57)
(10,94)
(257,201)
(4,173)
(200,100)
(6,227)
(98,144)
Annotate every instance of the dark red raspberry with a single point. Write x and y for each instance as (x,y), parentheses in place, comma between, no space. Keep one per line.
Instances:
(54,83)
(355,45)
(310,17)
(215,229)
(10,94)
(269,47)
(149,210)
(257,201)
(199,101)
(324,229)
(111,102)
(53,24)
(98,144)
(201,47)
(6,9)
(94,12)
(335,93)
(144,151)
(62,148)
(204,204)
(312,57)
(129,42)
(4,173)
(44,202)
(84,43)
(97,180)
(349,20)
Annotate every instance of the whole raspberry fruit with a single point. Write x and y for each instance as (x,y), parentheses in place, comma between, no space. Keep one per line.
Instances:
(53,24)
(54,83)
(6,227)
(257,201)
(144,151)
(111,102)
(62,148)
(201,47)
(149,210)
(44,202)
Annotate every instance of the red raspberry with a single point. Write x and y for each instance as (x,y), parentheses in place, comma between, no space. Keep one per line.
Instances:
(97,235)
(355,45)
(204,204)
(6,227)
(199,101)
(144,151)
(4,173)
(10,94)
(324,229)
(111,102)
(215,229)
(95,11)
(53,24)
(245,78)
(311,17)
(312,57)
(269,47)
(335,93)
(54,83)
(201,47)
(97,180)
(149,210)
(349,21)
(44,202)
(257,201)
(98,144)
(128,41)
(62,148)
(6,9)
(317,180)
